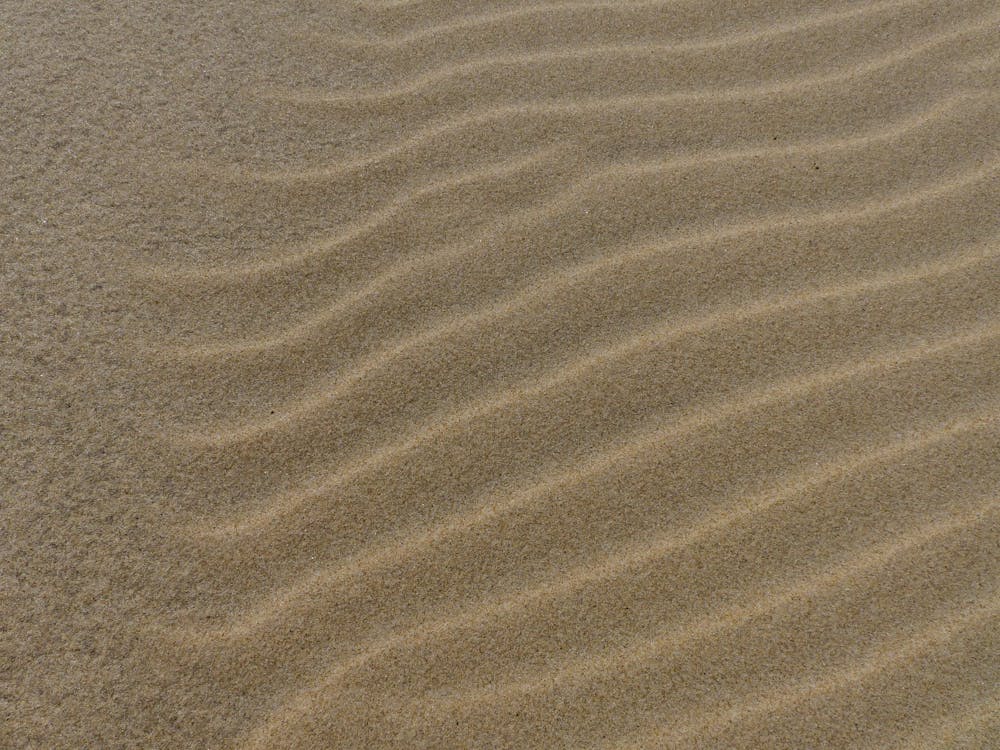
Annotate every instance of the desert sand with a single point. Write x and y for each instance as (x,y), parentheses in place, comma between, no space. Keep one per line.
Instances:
(514,374)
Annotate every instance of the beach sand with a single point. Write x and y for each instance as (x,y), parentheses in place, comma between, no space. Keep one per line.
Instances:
(465,374)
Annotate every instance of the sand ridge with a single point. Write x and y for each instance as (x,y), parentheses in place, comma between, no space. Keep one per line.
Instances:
(504,374)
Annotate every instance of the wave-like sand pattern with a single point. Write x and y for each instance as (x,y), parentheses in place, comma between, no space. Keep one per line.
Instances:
(647,397)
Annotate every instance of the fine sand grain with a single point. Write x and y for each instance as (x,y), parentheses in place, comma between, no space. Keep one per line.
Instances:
(511,374)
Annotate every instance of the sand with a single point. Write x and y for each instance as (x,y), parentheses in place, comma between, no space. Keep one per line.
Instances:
(465,374)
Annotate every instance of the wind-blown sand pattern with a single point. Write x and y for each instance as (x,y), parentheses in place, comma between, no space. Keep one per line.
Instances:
(439,374)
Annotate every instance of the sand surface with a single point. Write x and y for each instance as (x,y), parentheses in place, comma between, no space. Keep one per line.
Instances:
(515,374)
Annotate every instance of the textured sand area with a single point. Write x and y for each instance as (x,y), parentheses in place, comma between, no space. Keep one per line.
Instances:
(513,374)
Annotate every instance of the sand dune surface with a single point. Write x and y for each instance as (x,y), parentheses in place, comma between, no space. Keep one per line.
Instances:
(500,374)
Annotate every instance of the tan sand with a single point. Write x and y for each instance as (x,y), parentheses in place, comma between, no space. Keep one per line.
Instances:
(466,374)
